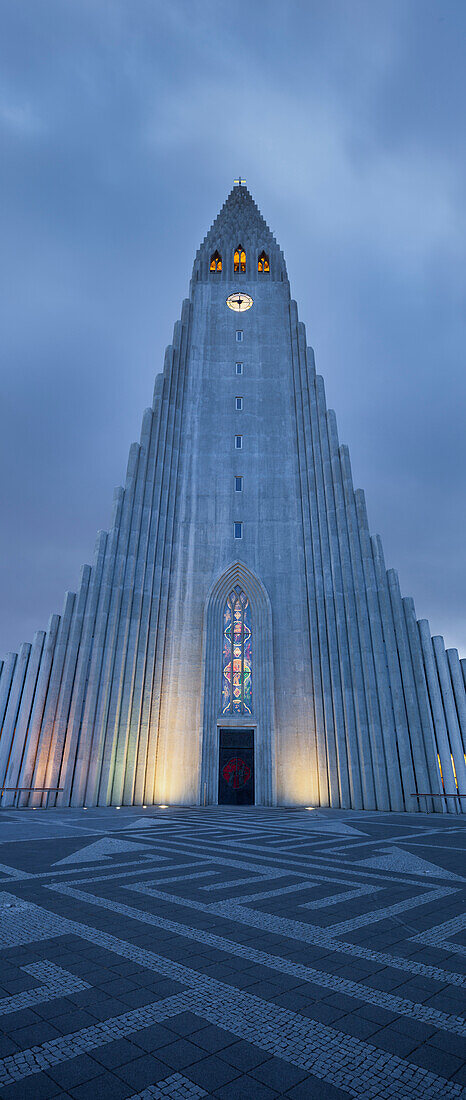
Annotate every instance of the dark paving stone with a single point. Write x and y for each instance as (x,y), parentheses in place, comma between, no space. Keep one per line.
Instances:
(153,1037)
(106,1087)
(117,1053)
(212,1073)
(395,1041)
(39,1086)
(142,1072)
(180,1053)
(278,1074)
(244,1088)
(73,1021)
(315,1089)
(35,1034)
(436,1060)
(243,1055)
(354,1024)
(213,1038)
(75,1072)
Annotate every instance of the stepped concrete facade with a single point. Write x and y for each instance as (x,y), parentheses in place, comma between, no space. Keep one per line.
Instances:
(238,637)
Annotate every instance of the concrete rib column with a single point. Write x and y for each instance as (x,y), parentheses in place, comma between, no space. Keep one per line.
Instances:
(349,653)
(45,742)
(107,685)
(331,559)
(55,776)
(75,734)
(133,689)
(33,733)
(87,782)
(147,652)
(139,740)
(6,681)
(129,616)
(396,687)
(374,758)
(458,692)
(380,661)
(427,769)
(318,754)
(440,729)
(409,684)
(12,708)
(181,345)
(451,717)
(21,725)
(314,570)
(355,703)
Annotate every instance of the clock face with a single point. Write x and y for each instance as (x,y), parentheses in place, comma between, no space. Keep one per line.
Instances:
(239,301)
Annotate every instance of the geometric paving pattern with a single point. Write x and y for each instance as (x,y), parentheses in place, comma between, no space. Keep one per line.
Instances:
(232,952)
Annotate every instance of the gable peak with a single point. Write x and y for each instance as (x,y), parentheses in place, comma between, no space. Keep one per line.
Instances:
(239,224)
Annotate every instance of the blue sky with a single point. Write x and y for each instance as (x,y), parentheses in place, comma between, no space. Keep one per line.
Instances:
(122,126)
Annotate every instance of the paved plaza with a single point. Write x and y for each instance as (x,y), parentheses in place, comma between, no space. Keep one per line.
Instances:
(231,953)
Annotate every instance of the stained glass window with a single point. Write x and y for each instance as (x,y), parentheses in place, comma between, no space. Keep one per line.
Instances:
(239,259)
(263,262)
(237,654)
(216,262)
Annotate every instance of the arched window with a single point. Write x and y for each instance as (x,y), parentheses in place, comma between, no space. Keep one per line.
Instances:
(263,262)
(216,262)
(237,654)
(240,259)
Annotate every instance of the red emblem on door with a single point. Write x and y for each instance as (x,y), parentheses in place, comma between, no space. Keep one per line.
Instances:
(236,773)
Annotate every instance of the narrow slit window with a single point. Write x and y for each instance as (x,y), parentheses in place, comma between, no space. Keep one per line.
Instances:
(239,260)
(238,442)
(263,262)
(239,368)
(216,262)
(238,530)
(239,403)
(239,335)
(238,484)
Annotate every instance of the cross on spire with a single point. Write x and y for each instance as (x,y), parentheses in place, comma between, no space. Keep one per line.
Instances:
(239,182)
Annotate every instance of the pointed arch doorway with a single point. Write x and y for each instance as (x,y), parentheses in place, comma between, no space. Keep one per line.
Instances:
(237,699)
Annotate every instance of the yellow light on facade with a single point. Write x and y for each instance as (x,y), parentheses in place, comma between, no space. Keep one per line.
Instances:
(163,806)
(144,807)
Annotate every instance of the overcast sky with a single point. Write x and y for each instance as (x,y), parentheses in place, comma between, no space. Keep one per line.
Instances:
(122,126)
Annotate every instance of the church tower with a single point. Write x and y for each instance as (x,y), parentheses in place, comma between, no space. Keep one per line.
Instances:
(238,638)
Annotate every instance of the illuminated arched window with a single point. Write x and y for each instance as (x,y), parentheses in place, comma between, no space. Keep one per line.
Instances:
(216,262)
(237,654)
(240,259)
(263,262)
